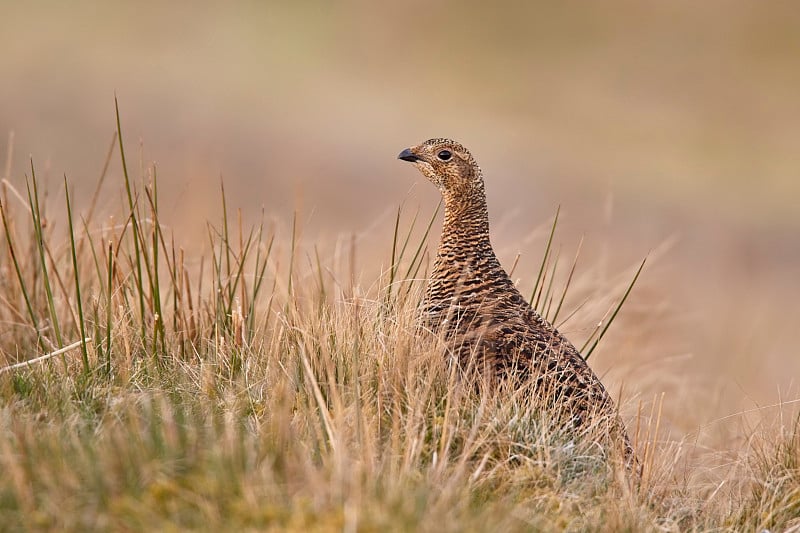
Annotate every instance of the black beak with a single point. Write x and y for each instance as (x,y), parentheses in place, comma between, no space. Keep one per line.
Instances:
(407,155)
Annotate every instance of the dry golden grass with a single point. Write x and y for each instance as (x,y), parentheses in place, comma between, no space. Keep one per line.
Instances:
(262,386)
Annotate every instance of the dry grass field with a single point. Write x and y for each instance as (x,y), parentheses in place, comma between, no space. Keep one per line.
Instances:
(247,276)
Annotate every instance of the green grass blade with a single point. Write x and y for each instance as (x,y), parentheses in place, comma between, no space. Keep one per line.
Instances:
(393,261)
(568,283)
(616,310)
(81,321)
(547,300)
(537,287)
(416,261)
(33,198)
(155,284)
(134,222)
(259,280)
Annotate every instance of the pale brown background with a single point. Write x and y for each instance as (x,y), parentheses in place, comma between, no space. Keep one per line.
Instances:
(671,126)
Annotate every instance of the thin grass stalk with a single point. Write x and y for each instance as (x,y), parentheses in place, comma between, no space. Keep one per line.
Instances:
(59,280)
(33,198)
(99,270)
(96,194)
(393,262)
(226,242)
(45,357)
(109,310)
(259,279)
(191,324)
(423,241)
(199,301)
(538,286)
(181,300)
(243,253)
(407,239)
(147,263)
(542,283)
(11,307)
(216,265)
(322,407)
(352,265)
(616,310)
(322,292)
(225,283)
(573,313)
(121,281)
(514,265)
(651,464)
(156,329)
(176,287)
(79,301)
(134,221)
(174,273)
(237,279)
(156,235)
(20,279)
(548,300)
(416,261)
(293,246)
(568,283)
(228,281)
(357,353)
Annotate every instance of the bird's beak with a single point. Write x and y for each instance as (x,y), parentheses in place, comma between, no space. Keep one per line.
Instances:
(408,155)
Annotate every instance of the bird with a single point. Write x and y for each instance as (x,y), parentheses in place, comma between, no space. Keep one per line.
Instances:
(488,325)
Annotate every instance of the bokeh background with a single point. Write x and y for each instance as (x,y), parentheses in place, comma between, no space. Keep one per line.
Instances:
(671,127)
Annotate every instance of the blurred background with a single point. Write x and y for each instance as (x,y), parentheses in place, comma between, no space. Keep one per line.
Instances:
(671,127)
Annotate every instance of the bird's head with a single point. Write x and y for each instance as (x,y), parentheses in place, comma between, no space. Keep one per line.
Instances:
(448,165)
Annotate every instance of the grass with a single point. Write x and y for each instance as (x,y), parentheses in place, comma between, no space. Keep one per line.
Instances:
(260,387)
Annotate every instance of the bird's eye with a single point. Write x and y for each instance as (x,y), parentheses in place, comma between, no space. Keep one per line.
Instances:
(444,155)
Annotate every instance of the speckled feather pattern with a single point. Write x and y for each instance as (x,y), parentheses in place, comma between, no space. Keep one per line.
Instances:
(488,324)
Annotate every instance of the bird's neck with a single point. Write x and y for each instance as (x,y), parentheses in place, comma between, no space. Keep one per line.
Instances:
(466,268)
(466,223)
(466,272)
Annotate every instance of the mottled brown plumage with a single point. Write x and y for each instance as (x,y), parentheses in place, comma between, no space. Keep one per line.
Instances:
(488,324)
